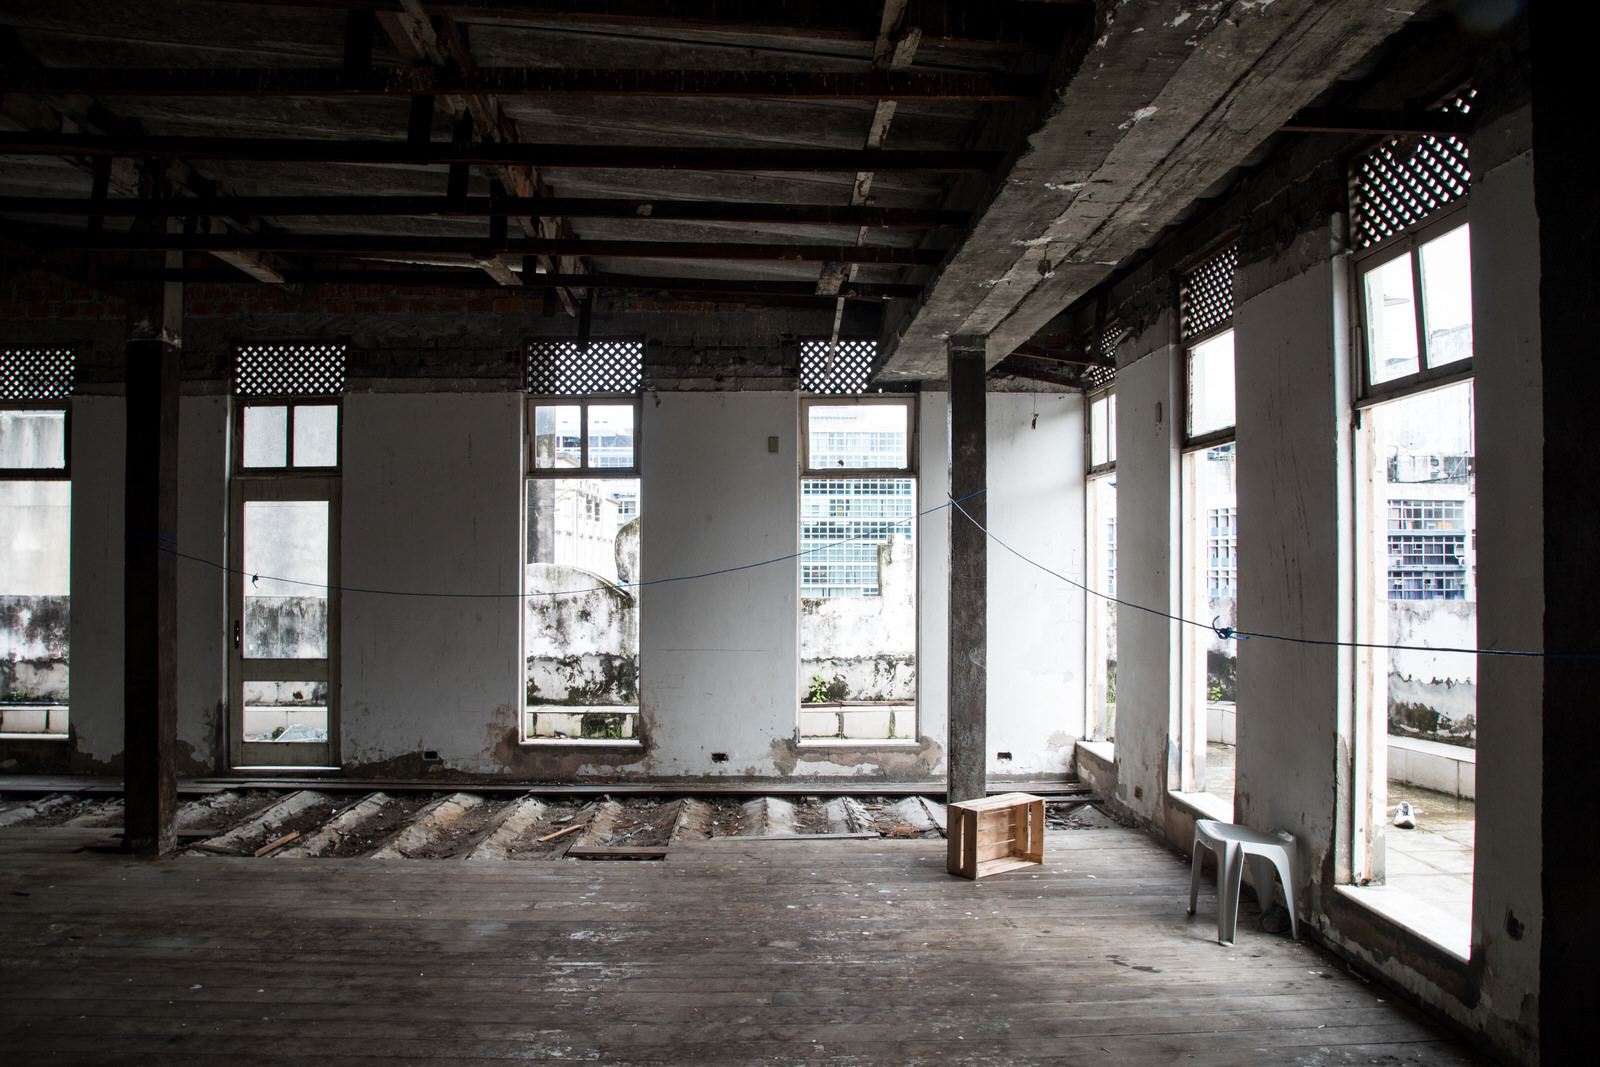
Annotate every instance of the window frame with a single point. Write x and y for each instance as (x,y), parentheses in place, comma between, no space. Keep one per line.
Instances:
(1408,242)
(1107,393)
(905,401)
(582,403)
(61,473)
(291,403)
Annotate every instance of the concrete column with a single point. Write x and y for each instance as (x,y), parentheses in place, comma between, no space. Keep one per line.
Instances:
(150,586)
(969,572)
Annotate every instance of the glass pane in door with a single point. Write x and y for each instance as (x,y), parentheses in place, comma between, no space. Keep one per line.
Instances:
(285,579)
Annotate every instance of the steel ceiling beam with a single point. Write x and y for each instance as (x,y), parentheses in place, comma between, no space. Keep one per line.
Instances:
(410,153)
(522,81)
(396,244)
(476,279)
(638,209)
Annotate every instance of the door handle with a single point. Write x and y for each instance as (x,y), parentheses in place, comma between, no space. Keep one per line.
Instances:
(236,635)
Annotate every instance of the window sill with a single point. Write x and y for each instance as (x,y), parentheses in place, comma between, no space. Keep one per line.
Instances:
(4,737)
(1448,935)
(1104,751)
(580,742)
(1203,805)
(859,742)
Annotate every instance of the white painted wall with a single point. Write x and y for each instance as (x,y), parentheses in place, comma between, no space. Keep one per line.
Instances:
(1036,632)
(719,657)
(202,589)
(1148,422)
(432,495)
(99,443)
(1293,419)
(1510,766)
(933,581)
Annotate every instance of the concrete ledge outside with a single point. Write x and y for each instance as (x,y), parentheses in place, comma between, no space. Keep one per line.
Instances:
(1432,765)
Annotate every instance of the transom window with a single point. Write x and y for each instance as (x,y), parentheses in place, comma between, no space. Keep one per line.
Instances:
(289,405)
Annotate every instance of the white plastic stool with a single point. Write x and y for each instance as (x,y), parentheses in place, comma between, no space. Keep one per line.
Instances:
(1232,843)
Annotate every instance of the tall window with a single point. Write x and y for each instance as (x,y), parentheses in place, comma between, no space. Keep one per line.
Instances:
(581,577)
(35,541)
(283,599)
(1101,516)
(1416,553)
(858,565)
(1210,538)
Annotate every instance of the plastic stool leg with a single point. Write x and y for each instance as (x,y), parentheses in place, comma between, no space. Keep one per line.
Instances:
(1194,871)
(1228,878)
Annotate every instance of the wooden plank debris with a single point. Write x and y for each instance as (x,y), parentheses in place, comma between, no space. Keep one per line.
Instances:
(562,833)
(279,843)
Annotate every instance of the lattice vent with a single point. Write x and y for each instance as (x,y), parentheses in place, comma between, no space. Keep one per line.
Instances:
(1406,179)
(292,369)
(1110,336)
(846,371)
(563,368)
(36,373)
(1206,296)
(1098,377)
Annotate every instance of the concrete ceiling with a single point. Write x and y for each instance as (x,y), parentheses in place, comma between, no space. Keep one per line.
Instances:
(1169,97)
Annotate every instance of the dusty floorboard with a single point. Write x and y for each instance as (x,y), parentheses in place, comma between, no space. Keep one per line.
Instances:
(728,952)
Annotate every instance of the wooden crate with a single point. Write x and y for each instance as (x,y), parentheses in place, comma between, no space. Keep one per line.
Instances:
(995,834)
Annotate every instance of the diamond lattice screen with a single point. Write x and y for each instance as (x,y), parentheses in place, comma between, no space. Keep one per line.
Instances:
(563,368)
(1404,180)
(36,373)
(845,372)
(294,369)
(1206,296)
(1096,377)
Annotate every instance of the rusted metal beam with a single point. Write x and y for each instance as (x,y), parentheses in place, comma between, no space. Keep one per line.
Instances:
(404,153)
(389,244)
(643,210)
(522,81)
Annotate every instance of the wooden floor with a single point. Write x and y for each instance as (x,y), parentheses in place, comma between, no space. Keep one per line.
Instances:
(728,952)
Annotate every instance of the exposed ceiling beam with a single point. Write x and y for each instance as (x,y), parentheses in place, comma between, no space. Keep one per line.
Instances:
(523,81)
(123,176)
(438,46)
(1376,121)
(484,206)
(390,244)
(408,153)
(1009,25)
(476,279)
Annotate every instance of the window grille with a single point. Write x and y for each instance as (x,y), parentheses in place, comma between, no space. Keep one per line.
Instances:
(843,371)
(1206,296)
(1406,179)
(566,368)
(292,369)
(1222,552)
(36,373)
